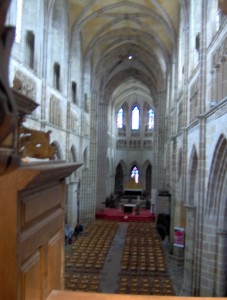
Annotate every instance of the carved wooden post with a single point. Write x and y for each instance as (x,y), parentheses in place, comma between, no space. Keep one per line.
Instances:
(8,116)
(223,6)
(4,4)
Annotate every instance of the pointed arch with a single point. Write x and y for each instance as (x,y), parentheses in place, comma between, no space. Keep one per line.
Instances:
(72,159)
(179,164)
(193,173)
(147,171)
(85,158)
(119,179)
(217,178)
(59,154)
(73,156)
(215,213)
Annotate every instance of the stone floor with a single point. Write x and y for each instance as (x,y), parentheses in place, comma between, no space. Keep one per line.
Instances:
(105,276)
(112,267)
(175,268)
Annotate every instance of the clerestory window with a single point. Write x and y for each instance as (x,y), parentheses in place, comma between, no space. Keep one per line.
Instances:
(120,119)
(135,118)
(150,124)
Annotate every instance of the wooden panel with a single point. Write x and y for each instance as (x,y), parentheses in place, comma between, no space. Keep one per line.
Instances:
(37,202)
(32,230)
(38,235)
(31,283)
(55,261)
(8,239)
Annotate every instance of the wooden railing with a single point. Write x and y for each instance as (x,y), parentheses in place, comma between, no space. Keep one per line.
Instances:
(67,295)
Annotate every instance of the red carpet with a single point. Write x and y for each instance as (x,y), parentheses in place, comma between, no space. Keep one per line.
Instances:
(117,214)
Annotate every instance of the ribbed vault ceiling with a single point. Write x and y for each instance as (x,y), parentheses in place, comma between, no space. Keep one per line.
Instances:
(110,30)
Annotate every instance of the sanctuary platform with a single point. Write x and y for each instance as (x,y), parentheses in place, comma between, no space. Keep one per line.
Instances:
(120,214)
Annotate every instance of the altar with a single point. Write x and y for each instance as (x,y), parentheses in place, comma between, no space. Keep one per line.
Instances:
(128,208)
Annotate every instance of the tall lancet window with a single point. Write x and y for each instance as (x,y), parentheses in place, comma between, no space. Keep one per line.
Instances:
(18,21)
(135,118)
(120,118)
(150,119)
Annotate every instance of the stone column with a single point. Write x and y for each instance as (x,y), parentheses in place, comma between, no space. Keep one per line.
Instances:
(202,154)
(218,82)
(72,205)
(87,196)
(224,79)
(159,143)
(187,289)
(102,167)
(89,173)
(201,207)
(221,268)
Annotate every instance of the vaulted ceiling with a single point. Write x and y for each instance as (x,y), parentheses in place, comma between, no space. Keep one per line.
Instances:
(111,30)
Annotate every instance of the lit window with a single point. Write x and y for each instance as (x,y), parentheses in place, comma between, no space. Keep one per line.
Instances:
(135,118)
(19,20)
(150,119)
(135,174)
(120,116)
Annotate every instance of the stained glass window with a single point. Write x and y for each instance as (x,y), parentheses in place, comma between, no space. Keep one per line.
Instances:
(150,119)
(135,174)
